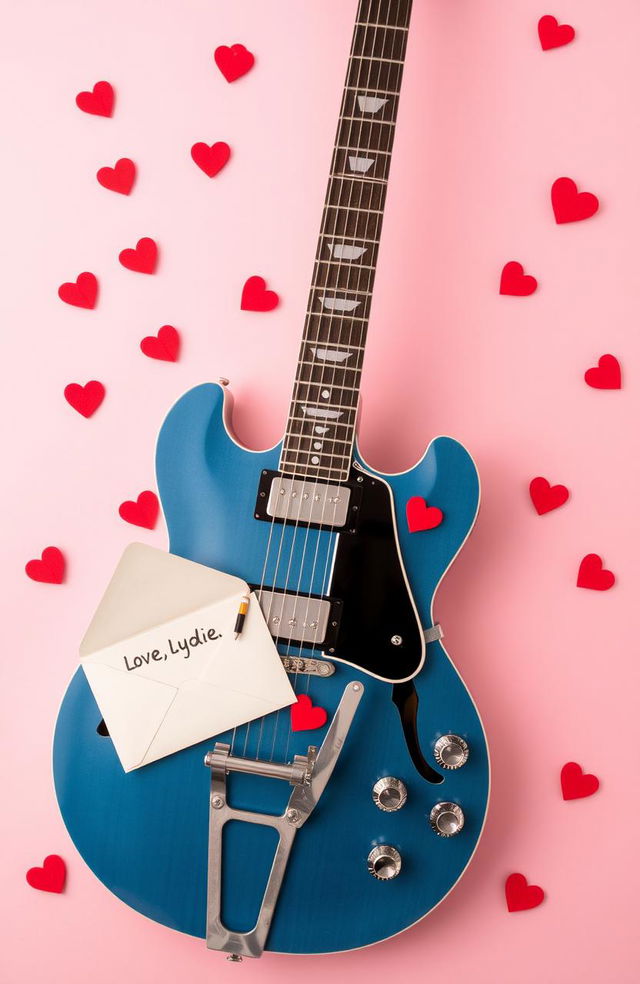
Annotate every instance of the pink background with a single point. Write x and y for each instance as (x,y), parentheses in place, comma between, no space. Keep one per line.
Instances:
(487,122)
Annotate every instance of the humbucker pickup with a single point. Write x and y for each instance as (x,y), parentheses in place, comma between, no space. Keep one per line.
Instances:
(307,501)
(311,620)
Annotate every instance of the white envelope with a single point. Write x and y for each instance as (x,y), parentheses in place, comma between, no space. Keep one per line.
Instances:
(162,662)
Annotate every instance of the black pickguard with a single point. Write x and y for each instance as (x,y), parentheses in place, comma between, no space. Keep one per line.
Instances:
(369,579)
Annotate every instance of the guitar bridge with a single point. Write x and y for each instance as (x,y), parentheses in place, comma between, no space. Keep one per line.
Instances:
(309,775)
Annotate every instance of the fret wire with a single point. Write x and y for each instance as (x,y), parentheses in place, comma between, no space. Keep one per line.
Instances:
(369,48)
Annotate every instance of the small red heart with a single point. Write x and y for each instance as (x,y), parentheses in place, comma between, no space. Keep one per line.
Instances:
(142,512)
(50,877)
(520,895)
(514,281)
(165,345)
(420,516)
(85,399)
(306,717)
(233,62)
(211,159)
(577,784)
(49,569)
(606,375)
(552,34)
(81,293)
(142,259)
(256,297)
(570,205)
(593,575)
(545,496)
(98,102)
(119,178)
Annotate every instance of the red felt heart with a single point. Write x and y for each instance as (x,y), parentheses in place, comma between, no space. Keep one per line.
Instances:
(85,399)
(98,102)
(49,569)
(577,784)
(165,345)
(256,297)
(211,159)
(233,62)
(306,717)
(83,293)
(142,512)
(142,259)
(593,575)
(571,205)
(420,516)
(552,34)
(520,895)
(515,282)
(119,178)
(606,375)
(50,877)
(545,496)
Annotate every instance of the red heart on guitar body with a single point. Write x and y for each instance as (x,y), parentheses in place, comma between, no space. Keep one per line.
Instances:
(545,496)
(593,575)
(421,517)
(552,34)
(142,259)
(577,784)
(256,297)
(98,102)
(571,205)
(211,159)
(49,569)
(118,178)
(83,293)
(165,345)
(85,399)
(606,375)
(306,717)
(141,512)
(50,877)
(520,895)
(515,282)
(233,62)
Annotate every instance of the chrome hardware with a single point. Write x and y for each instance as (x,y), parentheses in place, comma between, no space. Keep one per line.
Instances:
(314,667)
(327,505)
(447,819)
(396,640)
(306,618)
(384,862)
(309,775)
(389,794)
(451,751)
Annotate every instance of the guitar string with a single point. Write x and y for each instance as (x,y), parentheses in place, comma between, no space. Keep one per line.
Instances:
(332,541)
(293,535)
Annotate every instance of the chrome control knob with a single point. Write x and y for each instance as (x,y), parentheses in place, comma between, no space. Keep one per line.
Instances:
(451,751)
(384,862)
(447,819)
(389,794)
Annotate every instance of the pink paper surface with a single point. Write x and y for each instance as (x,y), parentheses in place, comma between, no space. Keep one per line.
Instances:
(487,122)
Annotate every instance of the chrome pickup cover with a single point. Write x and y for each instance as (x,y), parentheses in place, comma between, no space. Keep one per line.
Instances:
(297,500)
(296,617)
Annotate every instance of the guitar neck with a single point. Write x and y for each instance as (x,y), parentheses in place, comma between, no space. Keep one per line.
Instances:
(322,418)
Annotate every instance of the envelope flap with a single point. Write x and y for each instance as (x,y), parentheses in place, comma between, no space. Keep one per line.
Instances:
(150,586)
(120,707)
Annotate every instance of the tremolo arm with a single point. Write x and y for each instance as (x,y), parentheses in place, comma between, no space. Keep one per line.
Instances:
(309,775)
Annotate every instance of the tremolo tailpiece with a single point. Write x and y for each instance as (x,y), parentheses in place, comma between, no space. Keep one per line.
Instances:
(308,774)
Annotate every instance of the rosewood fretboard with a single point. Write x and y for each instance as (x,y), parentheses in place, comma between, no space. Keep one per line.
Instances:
(322,418)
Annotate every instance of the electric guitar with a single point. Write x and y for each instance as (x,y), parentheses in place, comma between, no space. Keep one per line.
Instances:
(347,820)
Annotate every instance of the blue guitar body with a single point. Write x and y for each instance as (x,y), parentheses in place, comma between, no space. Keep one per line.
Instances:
(145,833)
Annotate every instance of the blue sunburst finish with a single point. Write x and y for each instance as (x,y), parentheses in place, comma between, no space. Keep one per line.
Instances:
(144,834)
